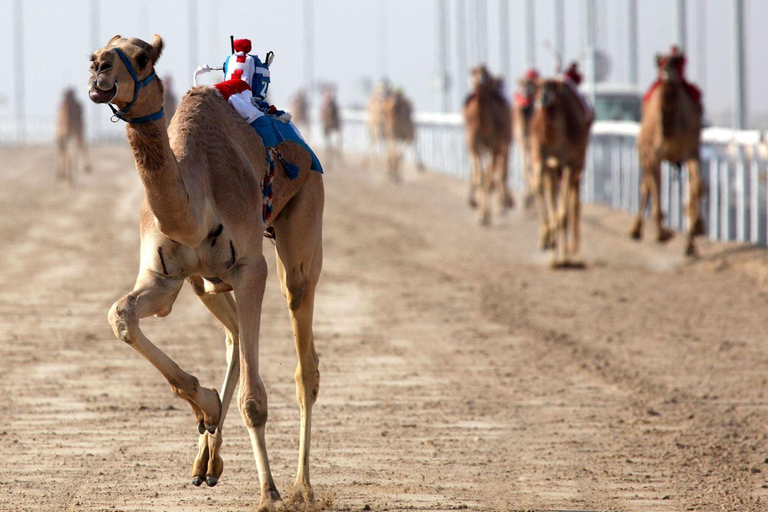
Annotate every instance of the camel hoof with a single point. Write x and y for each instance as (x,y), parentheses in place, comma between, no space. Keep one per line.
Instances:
(690,251)
(664,236)
(472,203)
(201,427)
(211,480)
(635,234)
(698,228)
(196,481)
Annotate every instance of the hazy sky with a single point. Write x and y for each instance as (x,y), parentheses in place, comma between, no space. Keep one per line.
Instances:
(347,43)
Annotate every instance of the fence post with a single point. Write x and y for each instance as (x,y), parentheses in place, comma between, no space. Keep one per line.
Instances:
(754,189)
(741,201)
(714,197)
(725,203)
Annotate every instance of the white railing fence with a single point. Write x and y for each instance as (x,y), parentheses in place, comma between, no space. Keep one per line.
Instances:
(733,167)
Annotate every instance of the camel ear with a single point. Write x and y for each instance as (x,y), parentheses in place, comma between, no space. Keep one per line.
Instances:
(157,48)
(114,38)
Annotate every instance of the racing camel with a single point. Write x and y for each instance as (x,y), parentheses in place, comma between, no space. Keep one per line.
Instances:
(522,112)
(670,130)
(559,138)
(331,120)
(489,132)
(202,220)
(399,130)
(70,138)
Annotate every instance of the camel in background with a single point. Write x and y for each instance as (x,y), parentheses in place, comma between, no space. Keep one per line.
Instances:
(670,130)
(170,102)
(202,218)
(375,119)
(489,132)
(70,138)
(299,108)
(558,139)
(399,131)
(331,120)
(522,113)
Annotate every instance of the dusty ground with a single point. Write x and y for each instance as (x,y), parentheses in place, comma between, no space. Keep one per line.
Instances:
(458,371)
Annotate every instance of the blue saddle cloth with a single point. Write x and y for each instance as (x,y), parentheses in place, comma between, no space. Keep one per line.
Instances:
(274,132)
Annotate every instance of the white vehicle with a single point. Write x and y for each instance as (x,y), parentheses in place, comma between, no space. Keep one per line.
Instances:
(615,101)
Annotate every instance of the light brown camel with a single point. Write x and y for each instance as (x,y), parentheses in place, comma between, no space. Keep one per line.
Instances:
(299,108)
(522,113)
(399,131)
(488,132)
(70,138)
(559,137)
(375,119)
(201,221)
(670,130)
(170,102)
(331,120)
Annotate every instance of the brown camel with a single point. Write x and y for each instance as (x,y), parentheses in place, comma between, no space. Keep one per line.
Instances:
(299,108)
(375,119)
(522,113)
(399,130)
(70,138)
(170,102)
(331,119)
(488,132)
(559,137)
(670,130)
(202,221)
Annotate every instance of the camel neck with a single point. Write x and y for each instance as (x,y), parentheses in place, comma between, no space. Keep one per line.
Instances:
(159,172)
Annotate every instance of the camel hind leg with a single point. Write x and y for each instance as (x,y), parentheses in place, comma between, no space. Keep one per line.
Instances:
(636,232)
(695,222)
(154,295)
(299,262)
(82,151)
(501,172)
(208,464)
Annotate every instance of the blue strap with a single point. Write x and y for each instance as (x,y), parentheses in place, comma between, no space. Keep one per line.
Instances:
(138,85)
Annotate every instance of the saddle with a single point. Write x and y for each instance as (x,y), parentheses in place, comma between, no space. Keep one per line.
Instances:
(691,89)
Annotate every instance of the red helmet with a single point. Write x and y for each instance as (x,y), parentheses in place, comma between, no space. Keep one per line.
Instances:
(531,74)
(242,45)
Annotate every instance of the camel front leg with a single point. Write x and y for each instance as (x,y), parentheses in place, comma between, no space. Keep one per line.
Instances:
(695,222)
(82,151)
(550,189)
(636,232)
(546,240)
(485,185)
(502,174)
(208,464)
(574,247)
(154,295)
(474,178)
(561,247)
(252,399)
(654,182)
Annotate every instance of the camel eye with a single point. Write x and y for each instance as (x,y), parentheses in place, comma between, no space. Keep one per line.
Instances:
(142,60)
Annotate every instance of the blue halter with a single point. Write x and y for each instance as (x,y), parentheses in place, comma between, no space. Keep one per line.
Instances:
(138,85)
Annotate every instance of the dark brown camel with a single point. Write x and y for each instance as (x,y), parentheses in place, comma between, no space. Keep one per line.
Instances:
(670,130)
(488,132)
(559,138)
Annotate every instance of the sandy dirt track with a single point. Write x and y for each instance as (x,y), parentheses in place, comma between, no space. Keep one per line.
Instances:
(458,371)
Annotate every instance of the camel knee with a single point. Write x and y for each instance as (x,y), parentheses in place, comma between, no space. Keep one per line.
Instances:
(253,410)
(296,283)
(307,383)
(123,319)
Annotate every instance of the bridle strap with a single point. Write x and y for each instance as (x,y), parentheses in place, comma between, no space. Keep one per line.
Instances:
(138,85)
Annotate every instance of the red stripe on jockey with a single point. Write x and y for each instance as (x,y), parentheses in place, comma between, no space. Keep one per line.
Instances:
(241,58)
(232,87)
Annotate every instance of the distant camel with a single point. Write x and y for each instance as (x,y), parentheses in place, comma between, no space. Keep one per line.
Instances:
(488,132)
(670,130)
(331,119)
(299,108)
(522,113)
(559,137)
(399,130)
(375,119)
(70,138)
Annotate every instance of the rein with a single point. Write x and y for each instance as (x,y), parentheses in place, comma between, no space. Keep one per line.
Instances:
(138,85)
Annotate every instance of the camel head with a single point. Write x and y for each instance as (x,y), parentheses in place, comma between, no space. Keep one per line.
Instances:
(670,66)
(111,80)
(480,76)
(549,92)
